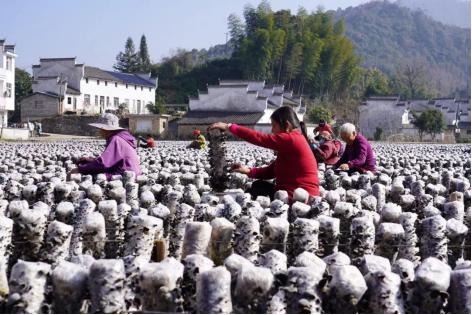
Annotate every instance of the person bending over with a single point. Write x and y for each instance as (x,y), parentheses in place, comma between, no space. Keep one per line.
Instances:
(327,150)
(119,154)
(358,155)
(295,165)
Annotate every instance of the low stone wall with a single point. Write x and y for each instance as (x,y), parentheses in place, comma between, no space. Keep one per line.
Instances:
(14,134)
(73,125)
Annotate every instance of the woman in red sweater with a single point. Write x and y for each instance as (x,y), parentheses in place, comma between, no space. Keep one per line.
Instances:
(295,166)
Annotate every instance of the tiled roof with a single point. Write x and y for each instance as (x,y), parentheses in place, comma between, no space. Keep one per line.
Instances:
(127,78)
(93,72)
(209,117)
(72,91)
(131,78)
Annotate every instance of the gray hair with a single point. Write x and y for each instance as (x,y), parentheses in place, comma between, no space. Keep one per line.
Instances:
(347,128)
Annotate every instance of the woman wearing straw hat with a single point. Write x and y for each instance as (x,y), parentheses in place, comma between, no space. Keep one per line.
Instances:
(120,150)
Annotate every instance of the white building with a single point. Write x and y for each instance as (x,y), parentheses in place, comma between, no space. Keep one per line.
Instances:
(7,81)
(250,103)
(73,87)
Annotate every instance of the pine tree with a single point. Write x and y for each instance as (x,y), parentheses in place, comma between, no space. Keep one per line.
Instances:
(144,60)
(127,61)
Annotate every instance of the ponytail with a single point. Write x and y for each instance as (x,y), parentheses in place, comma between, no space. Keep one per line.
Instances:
(304,132)
(285,115)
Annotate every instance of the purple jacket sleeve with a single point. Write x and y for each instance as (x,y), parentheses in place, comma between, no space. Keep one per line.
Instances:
(342,160)
(361,156)
(109,158)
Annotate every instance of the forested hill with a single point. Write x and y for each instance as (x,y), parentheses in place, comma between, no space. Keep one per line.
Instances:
(386,35)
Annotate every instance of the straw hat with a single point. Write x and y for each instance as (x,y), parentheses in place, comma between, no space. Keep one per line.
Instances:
(108,121)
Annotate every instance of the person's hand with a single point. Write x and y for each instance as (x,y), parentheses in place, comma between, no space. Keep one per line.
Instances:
(220,126)
(238,168)
(86,159)
(344,167)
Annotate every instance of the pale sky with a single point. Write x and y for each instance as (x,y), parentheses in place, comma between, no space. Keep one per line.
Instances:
(94,31)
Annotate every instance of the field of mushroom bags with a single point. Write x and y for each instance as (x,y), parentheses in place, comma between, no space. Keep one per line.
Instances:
(184,237)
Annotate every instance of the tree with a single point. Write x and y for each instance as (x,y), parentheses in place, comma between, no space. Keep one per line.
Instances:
(127,61)
(123,110)
(236,30)
(318,113)
(411,80)
(378,133)
(375,83)
(23,84)
(144,60)
(157,107)
(430,121)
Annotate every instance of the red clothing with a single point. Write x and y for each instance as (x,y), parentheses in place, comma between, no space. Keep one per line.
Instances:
(295,166)
(328,152)
(326,127)
(150,143)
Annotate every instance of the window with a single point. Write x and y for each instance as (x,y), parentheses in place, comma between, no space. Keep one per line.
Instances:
(135,87)
(141,88)
(116,84)
(69,100)
(127,101)
(96,99)
(106,83)
(8,92)
(116,101)
(98,82)
(139,107)
(75,103)
(86,80)
(9,63)
(102,100)
(149,89)
(108,101)
(163,125)
(126,85)
(87,99)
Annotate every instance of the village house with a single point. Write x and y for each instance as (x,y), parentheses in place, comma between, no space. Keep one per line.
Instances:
(248,103)
(7,81)
(60,85)
(395,117)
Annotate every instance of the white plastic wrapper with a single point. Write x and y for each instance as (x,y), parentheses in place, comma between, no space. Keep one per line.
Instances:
(214,291)
(106,284)
(252,289)
(302,293)
(274,234)
(57,245)
(94,235)
(432,280)
(159,286)
(142,230)
(69,287)
(196,239)
(28,282)
(346,289)
(221,240)
(247,238)
(193,265)
(304,236)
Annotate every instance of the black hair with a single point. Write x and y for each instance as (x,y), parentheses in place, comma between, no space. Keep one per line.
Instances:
(285,115)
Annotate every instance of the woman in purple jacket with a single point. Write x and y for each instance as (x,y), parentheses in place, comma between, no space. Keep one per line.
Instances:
(358,155)
(120,151)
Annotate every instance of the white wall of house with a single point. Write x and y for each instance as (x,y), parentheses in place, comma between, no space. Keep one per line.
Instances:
(7,84)
(114,93)
(96,95)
